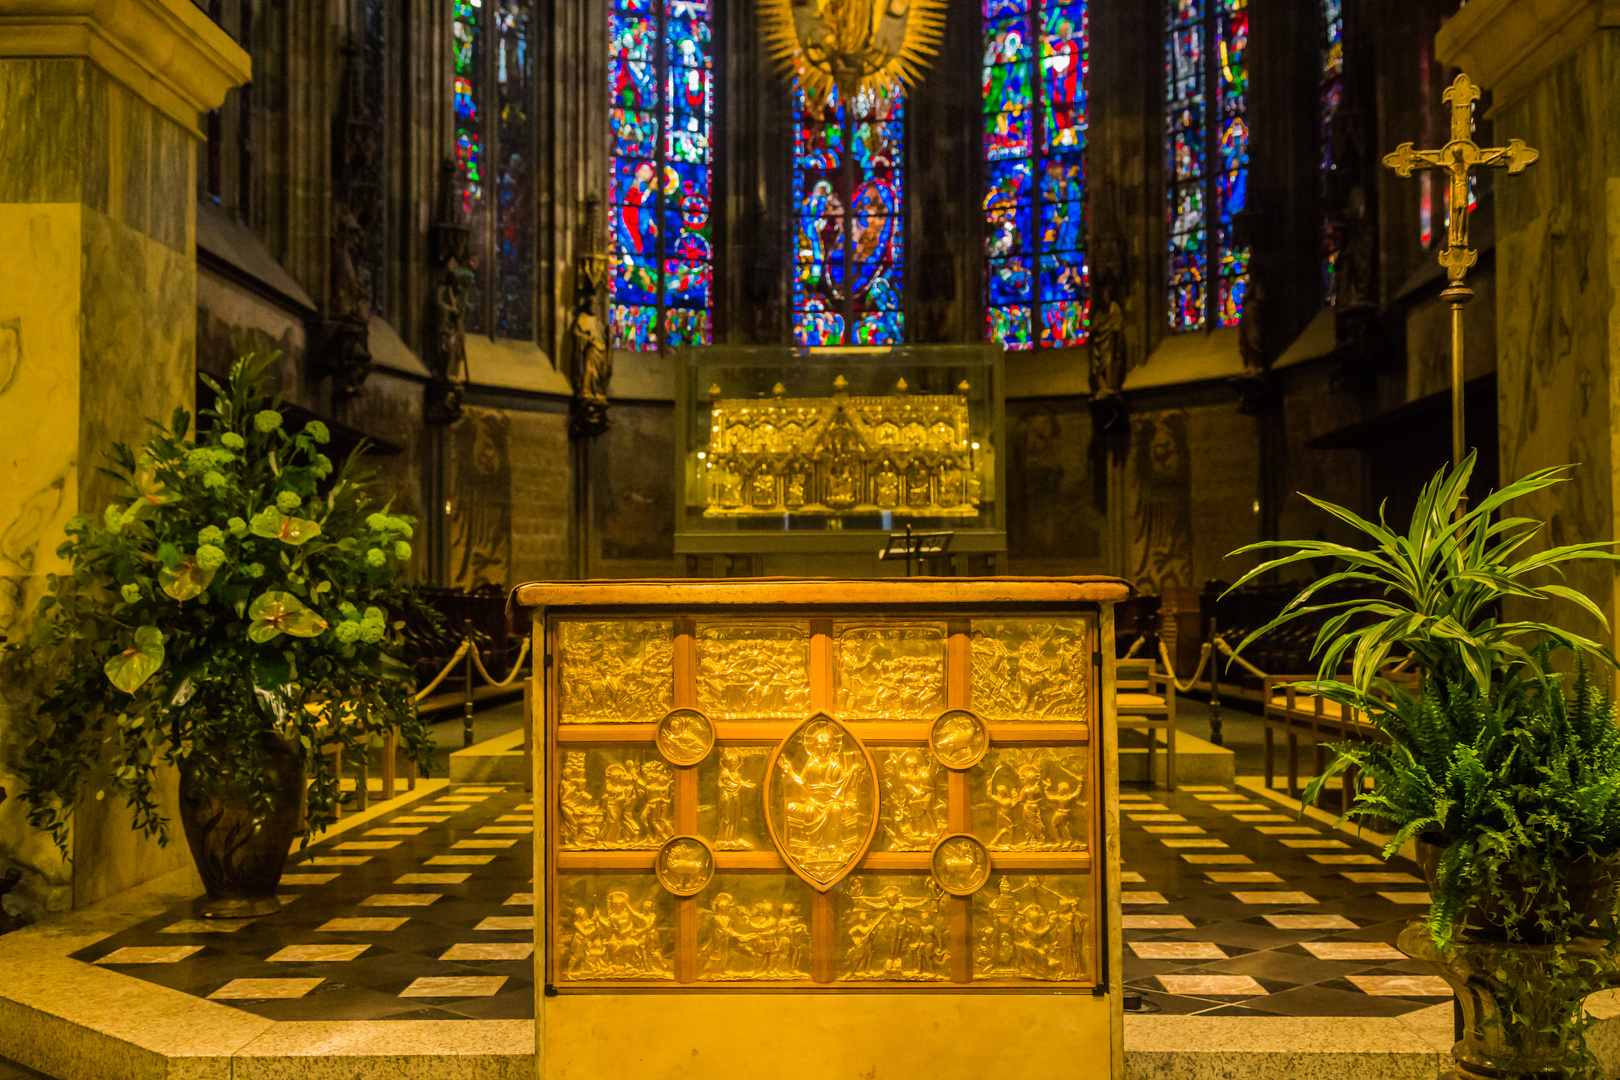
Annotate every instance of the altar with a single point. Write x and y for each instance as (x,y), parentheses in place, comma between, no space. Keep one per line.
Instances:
(816,828)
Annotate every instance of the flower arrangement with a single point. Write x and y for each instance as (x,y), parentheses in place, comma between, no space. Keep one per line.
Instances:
(238,590)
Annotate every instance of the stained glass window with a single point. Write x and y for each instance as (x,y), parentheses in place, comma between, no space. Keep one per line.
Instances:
(848,267)
(1332,98)
(1037,278)
(661,114)
(1207,157)
(494,99)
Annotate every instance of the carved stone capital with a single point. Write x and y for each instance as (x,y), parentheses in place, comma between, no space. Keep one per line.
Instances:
(166,51)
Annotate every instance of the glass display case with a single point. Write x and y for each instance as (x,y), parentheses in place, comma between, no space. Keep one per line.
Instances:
(801,450)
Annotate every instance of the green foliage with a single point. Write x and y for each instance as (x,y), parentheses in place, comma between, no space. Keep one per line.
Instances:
(1434,590)
(217,601)
(1492,761)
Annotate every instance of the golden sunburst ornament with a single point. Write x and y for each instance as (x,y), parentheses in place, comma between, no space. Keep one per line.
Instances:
(853,44)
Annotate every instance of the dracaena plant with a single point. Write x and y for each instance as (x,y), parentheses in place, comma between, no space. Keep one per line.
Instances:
(239,587)
(1434,591)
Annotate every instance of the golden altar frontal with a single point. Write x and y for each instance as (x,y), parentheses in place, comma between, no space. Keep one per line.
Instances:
(773,799)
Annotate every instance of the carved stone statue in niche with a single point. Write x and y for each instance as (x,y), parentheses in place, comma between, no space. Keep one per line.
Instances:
(346,329)
(593,362)
(451,234)
(1108,409)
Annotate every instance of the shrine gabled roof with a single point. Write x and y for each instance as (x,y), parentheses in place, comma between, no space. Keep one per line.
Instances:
(805,592)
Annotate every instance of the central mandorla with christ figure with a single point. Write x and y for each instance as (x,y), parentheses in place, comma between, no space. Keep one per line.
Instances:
(822,828)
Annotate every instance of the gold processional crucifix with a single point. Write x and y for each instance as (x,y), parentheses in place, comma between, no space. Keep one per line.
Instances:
(1457,159)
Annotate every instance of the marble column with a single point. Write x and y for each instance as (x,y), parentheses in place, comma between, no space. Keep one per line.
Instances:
(99,132)
(1552,68)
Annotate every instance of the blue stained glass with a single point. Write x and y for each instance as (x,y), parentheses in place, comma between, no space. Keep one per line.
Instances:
(691,91)
(1007,41)
(1007,133)
(1062,278)
(660,55)
(1035,139)
(689,44)
(632,37)
(1006,86)
(1009,230)
(634,83)
(1008,181)
(849,199)
(635,183)
(1063,323)
(1010,326)
(635,279)
(1011,281)
(687,283)
(694,221)
(690,246)
(1063,226)
(635,134)
(634,327)
(686,326)
(878,328)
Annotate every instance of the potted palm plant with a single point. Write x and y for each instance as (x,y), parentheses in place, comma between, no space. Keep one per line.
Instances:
(227,615)
(1508,779)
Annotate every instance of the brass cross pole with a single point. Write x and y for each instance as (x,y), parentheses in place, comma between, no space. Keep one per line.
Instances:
(1457,159)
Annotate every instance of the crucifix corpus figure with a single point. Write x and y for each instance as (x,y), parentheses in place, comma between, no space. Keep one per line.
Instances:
(1458,159)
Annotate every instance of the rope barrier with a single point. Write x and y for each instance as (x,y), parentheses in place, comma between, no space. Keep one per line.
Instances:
(461,651)
(1170,668)
(1242,663)
(1130,653)
(517,667)
(478,662)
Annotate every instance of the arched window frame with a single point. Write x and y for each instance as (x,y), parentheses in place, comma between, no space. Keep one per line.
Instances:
(849,268)
(494,106)
(661,74)
(1197,182)
(1037,274)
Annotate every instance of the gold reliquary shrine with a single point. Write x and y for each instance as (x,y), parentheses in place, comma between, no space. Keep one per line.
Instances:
(896,453)
(822,785)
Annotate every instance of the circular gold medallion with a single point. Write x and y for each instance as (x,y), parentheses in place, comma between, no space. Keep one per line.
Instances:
(685,736)
(961,864)
(959,739)
(684,865)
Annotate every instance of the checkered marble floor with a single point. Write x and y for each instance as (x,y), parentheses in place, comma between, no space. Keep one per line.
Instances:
(1234,906)
(424,914)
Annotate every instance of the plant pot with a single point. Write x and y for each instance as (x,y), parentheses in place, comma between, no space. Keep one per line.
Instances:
(241,860)
(1516,1001)
(1587,883)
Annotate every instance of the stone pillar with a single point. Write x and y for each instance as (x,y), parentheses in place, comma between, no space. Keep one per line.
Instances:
(99,133)
(1552,68)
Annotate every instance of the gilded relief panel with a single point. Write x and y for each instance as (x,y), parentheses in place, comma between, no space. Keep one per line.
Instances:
(615,672)
(614,927)
(611,799)
(730,814)
(754,927)
(889,672)
(750,671)
(1032,669)
(821,800)
(1033,927)
(913,805)
(891,927)
(1031,799)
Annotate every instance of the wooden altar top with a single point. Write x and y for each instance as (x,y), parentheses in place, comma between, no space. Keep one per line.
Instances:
(794,592)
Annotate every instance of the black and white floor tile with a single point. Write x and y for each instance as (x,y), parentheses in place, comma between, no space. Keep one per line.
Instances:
(1232,906)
